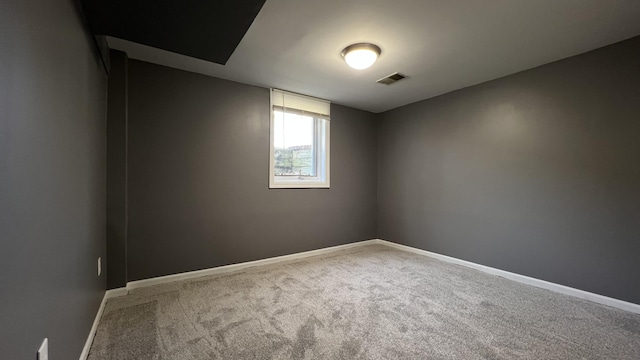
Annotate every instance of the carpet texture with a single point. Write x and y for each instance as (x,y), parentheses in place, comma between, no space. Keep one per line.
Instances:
(370,302)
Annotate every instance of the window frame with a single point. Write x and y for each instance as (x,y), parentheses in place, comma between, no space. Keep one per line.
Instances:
(322,142)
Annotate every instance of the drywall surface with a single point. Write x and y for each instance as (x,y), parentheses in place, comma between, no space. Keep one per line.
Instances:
(52,179)
(537,173)
(198,161)
(117,171)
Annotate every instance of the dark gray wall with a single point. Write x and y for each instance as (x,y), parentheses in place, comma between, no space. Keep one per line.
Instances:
(537,173)
(198,177)
(117,171)
(52,179)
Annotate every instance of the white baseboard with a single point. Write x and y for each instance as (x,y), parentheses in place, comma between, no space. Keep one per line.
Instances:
(600,299)
(234,267)
(596,298)
(199,273)
(92,333)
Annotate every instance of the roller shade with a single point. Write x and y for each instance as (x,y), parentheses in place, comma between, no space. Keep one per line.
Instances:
(302,104)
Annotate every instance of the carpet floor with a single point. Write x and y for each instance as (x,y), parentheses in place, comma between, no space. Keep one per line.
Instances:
(369,302)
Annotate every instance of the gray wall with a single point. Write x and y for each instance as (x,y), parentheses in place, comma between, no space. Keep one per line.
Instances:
(536,173)
(52,179)
(117,171)
(198,177)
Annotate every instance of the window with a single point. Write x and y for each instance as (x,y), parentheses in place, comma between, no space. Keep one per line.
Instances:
(299,155)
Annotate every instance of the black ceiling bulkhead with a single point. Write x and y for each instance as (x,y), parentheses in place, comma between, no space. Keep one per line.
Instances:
(204,29)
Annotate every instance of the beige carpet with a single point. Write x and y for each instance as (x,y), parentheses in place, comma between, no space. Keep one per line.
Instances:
(371,302)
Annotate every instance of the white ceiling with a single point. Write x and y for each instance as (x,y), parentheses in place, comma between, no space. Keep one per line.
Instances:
(441,45)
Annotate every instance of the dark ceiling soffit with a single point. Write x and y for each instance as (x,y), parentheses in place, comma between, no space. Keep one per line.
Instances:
(100,45)
(203,29)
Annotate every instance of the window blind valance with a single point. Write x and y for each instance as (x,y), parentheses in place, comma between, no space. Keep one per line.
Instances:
(300,103)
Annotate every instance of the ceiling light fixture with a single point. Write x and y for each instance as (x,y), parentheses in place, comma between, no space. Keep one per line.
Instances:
(361,56)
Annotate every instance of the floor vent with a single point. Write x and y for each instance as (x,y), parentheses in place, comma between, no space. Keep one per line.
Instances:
(390,79)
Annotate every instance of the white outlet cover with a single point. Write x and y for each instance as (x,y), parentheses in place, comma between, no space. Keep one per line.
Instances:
(99,266)
(43,352)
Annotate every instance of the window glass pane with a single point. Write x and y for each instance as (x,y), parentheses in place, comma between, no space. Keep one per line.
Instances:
(294,145)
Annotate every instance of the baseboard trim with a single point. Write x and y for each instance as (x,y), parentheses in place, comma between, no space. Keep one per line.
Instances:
(562,289)
(205,272)
(92,333)
(240,266)
(116,292)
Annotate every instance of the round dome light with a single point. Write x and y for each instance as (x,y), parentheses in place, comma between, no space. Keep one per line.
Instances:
(360,56)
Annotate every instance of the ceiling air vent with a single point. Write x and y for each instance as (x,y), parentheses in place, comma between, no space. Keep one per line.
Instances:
(388,80)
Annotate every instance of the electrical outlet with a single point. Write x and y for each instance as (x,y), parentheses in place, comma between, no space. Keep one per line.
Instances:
(43,352)
(99,266)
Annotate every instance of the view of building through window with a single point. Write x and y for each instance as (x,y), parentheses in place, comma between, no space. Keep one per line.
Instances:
(294,144)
